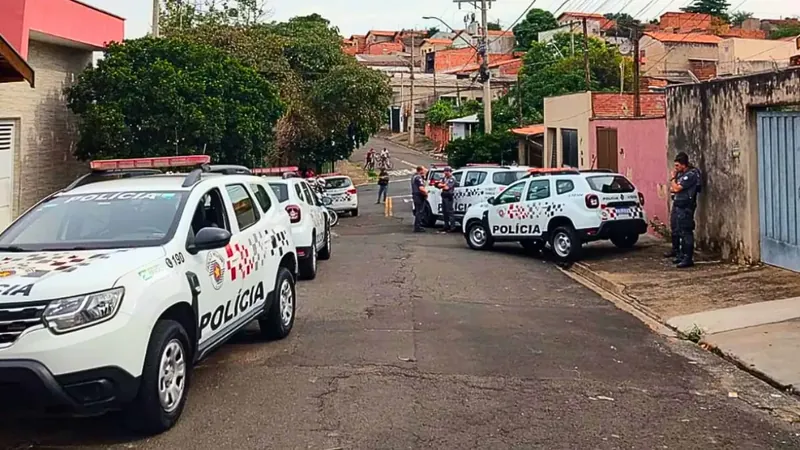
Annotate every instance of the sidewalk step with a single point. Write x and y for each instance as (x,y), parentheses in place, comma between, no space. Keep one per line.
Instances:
(739,317)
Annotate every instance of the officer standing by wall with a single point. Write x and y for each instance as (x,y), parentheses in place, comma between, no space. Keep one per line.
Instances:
(685,185)
(420,195)
(448,187)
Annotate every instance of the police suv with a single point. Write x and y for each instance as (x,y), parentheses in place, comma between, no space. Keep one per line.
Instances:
(111,289)
(343,194)
(475,183)
(563,207)
(311,231)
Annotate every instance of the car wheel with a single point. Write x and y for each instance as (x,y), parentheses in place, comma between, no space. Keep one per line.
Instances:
(325,253)
(308,265)
(625,240)
(354,212)
(565,244)
(532,246)
(164,382)
(478,237)
(279,320)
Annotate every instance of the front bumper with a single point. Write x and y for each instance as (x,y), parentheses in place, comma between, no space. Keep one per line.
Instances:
(614,227)
(27,387)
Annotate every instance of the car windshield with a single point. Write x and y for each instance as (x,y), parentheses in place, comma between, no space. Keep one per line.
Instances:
(281,191)
(97,221)
(437,175)
(505,178)
(610,184)
(337,183)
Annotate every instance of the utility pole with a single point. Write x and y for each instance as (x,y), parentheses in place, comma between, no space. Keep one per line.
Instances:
(586,56)
(156,17)
(572,36)
(487,89)
(519,103)
(637,101)
(413,108)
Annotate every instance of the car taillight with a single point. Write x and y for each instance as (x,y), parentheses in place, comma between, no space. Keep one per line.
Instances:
(592,201)
(641,198)
(352,191)
(294,213)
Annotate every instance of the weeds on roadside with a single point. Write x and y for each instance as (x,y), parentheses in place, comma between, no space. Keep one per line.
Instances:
(695,334)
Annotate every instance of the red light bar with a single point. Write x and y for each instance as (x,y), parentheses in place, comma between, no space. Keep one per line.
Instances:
(274,170)
(481,164)
(551,170)
(150,163)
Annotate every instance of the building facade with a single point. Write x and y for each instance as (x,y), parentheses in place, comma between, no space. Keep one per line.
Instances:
(745,56)
(677,55)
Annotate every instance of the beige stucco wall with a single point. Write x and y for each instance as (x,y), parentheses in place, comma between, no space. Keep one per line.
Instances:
(568,111)
(654,61)
(46,132)
(715,123)
(662,57)
(743,56)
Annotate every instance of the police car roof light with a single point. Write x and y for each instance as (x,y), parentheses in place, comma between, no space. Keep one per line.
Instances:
(274,170)
(150,163)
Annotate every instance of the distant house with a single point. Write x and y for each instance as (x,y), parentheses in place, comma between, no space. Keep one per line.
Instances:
(463,127)
(745,56)
(379,36)
(596,24)
(689,57)
(432,45)
(499,41)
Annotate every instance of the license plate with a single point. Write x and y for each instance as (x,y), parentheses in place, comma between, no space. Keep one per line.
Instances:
(623,211)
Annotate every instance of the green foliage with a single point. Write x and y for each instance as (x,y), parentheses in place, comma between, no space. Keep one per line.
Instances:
(181,15)
(738,18)
(442,111)
(527,30)
(624,24)
(497,147)
(716,8)
(159,97)
(432,31)
(785,31)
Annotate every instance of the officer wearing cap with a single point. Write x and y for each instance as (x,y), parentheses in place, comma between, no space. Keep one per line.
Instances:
(448,186)
(419,194)
(685,185)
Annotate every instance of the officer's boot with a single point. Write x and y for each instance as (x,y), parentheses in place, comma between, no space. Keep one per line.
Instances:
(687,248)
(675,252)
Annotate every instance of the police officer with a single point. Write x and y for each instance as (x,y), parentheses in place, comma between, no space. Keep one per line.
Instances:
(448,186)
(420,195)
(685,185)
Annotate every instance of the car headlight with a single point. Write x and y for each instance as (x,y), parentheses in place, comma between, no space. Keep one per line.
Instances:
(73,313)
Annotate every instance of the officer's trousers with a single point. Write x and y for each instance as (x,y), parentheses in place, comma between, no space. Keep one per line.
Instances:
(447,212)
(684,224)
(419,210)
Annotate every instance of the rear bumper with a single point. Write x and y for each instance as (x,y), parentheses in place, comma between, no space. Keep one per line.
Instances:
(27,387)
(614,227)
(304,253)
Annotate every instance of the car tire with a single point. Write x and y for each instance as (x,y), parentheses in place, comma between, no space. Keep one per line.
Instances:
(478,237)
(279,319)
(533,246)
(354,212)
(565,243)
(151,412)
(325,253)
(625,240)
(308,266)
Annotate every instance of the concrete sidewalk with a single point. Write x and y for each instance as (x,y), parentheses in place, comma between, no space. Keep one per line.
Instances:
(750,314)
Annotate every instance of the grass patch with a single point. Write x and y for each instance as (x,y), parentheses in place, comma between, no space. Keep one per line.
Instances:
(695,334)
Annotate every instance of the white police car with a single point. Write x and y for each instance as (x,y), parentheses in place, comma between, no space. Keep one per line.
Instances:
(562,207)
(111,289)
(343,194)
(475,184)
(310,228)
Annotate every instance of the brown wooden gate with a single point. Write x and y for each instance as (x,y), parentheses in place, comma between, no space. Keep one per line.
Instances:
(607,149)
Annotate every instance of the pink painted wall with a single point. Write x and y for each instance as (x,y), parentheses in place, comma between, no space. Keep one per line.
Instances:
(642,158)
(66,19)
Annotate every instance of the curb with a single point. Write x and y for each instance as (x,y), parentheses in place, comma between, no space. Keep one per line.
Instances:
(420,152)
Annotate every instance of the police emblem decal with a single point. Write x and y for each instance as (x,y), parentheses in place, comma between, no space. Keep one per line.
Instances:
(215,265)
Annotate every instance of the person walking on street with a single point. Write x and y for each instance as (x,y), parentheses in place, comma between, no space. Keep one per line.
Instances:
(383,186)
(448,186)
(685,185)
(420,195)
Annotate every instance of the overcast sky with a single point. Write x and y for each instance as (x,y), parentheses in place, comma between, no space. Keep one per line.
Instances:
(359,16)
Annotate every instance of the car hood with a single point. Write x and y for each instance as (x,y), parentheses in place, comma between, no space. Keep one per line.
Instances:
(478,209)
(33,276)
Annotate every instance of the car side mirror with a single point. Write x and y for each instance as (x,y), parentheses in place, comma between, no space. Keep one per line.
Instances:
(209,238)
(490,200)
(327,201)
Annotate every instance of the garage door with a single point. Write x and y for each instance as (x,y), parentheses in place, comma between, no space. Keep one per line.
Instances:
(779,188)
(7,136)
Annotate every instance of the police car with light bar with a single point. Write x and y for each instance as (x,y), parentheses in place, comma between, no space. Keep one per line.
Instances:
(564,208)
(343,194)
(111,289)
(475,183)
(310,227)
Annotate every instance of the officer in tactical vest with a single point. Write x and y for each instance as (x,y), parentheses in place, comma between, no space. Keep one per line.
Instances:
(685,185)
(448,187)
(420,195)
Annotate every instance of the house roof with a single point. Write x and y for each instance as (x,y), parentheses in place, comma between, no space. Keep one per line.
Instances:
(12,66)
(382,33)
(466,119)
(581,15)
(438,41)
(530,130)
(684,38)
(475,66)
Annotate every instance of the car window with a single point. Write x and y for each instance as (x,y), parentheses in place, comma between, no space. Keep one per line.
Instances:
(610,184)
(262,197)
(281,191)
(210,212)
(564,186)
(457,176)
(538,190)
(98,221)
(337,183)
(474,178)
(507,177)
(312,199)
(299,192)
(511,195)
(244,207)
(435,175)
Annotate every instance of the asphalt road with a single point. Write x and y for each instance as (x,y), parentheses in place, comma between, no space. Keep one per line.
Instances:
(415,341)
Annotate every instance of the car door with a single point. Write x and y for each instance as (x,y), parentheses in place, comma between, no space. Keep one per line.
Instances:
(471,191)
(506,213)
(539,207)
(273,224)
(315,209)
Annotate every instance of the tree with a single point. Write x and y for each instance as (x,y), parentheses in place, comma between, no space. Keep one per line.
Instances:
(716,8)
(624,23)
(786,31)
(528,29)
(497,147)
(738,18)
(431,32)
(494,26)
(161,97)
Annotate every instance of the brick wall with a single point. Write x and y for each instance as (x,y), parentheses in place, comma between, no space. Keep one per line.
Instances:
(46,133)
(703,70)
(455,58)
(646,82)
(439,134)
(685,22)
(622,105)
(511,68)
(384,48)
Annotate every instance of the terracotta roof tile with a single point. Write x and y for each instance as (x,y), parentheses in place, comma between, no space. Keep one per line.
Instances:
(684,38)
(530,130)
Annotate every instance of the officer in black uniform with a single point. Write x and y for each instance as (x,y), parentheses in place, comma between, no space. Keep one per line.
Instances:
(419,194)
(685,185)
(448,186)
